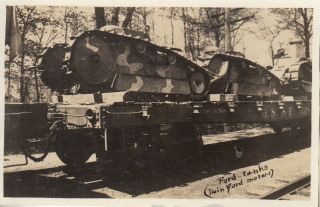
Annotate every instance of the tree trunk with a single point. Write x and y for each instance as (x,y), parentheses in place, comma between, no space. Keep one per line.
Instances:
(307,44)
(191,41)
(217,38)
(302,29)
(26,90)
(172,31)
(22,81)
(22,84)
(272,54)
(272,50)
(115,16)
(306,33)
(128,18)
(198,40)
(9,83)
(100,19)
(144,17)
(184,28)
(36,80)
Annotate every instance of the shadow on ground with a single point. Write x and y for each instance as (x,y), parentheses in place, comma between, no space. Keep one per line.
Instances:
(62,182)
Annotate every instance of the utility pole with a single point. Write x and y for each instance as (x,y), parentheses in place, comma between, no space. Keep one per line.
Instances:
(66,21)
(227,36)
(37,84)
(227,47)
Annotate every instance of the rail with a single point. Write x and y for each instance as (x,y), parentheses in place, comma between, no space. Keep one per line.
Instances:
(287,189)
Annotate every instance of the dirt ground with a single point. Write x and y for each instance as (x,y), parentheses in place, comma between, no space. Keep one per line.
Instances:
(269,162)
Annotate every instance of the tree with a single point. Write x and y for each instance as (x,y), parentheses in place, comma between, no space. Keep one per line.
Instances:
(184,19)
(303,26)
(173,13)
(35,35)
(128,18)
(298,20)
(203,25)
(115,13)
(40,27)
(77,21)
(100,19)
(26,23)
(43,34)
(267,32)
(214,18)
(215,21)
(115,16)
(140,18)
(235,38)
(11,75)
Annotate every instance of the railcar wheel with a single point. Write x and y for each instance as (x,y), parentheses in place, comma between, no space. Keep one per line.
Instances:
(73,148)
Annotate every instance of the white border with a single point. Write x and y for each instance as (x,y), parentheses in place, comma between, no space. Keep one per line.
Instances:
(171,3)
(181,202)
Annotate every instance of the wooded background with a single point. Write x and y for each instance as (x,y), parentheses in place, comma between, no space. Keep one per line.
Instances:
(199,30)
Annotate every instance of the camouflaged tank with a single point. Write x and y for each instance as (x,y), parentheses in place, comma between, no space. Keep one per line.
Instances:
(293,69)
(113,59)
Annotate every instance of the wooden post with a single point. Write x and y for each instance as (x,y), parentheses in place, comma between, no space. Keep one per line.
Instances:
(227,47)
(37,87)
(66,21)
(227,36)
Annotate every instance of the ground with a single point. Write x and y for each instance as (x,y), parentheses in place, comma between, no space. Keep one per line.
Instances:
(270,161)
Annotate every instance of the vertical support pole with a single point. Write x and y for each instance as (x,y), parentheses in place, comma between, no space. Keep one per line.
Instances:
(66,21)
(227,47)
(37,87)
(227,37)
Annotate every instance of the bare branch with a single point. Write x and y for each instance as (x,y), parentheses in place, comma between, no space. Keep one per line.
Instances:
(128,18)
(222,13)
(310,20)
(235,21)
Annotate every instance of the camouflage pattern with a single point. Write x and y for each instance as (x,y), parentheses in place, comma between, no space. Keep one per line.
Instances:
(125,82)
(129,64)
(237,75)
(113,59)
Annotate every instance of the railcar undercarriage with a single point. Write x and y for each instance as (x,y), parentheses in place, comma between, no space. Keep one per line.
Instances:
(129,100)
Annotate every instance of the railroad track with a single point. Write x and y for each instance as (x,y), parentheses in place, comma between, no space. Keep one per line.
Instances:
(89,183)
(294,187)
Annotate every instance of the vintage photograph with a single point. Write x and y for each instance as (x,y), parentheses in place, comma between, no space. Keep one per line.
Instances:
(157,102)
